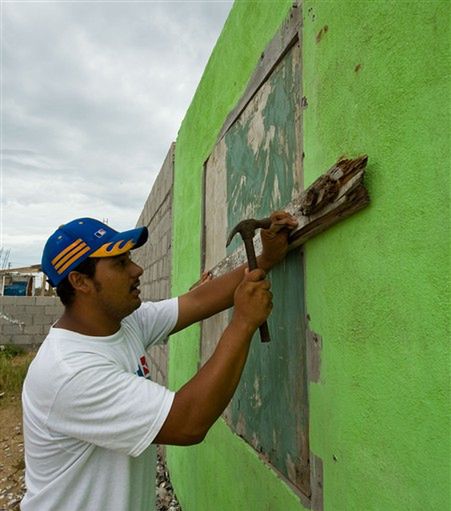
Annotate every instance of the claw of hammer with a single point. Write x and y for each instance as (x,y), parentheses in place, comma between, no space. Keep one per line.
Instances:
(248,227)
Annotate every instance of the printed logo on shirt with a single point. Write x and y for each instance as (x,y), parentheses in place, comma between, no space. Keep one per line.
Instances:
(143,368)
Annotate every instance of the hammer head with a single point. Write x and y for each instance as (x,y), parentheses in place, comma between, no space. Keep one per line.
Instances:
(248,227)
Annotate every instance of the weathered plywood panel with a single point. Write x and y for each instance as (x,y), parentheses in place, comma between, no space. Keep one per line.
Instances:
(263,174)
(255,169)
(263,148)
(215,206)
(269,409)
(214,236)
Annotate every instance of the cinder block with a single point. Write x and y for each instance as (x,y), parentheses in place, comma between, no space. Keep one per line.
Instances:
(157,273)
(44,320)
(162,290)
(152,293)
(11,329)
(31,310)
(53,310)
(8,309)
(6,301)
(23,339)
(165,218)
(45,330)
(166,289)
(15,310)
(6,317)
(165,267)
(33,329)
(23,317)
(42,301)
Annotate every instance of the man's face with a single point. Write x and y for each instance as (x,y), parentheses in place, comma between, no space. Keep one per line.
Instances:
(116,282)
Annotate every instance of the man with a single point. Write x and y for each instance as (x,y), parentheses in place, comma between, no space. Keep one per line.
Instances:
(91,414)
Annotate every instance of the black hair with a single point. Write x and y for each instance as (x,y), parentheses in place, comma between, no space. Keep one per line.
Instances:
(65,291)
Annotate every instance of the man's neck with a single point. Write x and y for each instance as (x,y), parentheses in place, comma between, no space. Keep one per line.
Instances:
(84,322)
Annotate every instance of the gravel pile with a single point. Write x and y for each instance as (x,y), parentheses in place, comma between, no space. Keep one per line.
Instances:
(9,498)
(166,498)
(12,469)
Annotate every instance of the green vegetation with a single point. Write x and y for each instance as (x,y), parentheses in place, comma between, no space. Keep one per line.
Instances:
(10,350)
(14,364)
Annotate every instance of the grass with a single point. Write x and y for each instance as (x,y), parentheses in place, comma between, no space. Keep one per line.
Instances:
(14,364)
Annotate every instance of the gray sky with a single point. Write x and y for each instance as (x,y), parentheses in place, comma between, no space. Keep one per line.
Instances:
(93,93)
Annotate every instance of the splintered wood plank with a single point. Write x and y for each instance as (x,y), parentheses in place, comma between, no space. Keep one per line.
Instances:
(334,196)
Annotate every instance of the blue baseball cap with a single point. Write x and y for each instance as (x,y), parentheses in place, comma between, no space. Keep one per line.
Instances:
(74,242)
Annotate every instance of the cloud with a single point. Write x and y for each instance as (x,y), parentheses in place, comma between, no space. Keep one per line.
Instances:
(93,94)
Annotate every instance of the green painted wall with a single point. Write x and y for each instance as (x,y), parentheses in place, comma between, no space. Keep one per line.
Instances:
(375,82)
(216,475)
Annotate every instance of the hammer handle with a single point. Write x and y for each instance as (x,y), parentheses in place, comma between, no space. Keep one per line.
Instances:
(252,264)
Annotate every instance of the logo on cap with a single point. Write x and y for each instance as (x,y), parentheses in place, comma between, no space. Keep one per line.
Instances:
(100,233)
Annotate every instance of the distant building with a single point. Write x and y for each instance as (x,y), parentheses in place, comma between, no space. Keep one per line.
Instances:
(22,281)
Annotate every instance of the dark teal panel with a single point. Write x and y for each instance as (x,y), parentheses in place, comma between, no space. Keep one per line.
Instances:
(269,409)
(270,406)
(263,148)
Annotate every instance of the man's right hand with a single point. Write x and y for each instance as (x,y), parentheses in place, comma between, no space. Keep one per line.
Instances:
(252,300)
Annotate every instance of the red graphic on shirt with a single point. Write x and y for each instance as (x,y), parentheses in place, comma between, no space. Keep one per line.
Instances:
(144,366)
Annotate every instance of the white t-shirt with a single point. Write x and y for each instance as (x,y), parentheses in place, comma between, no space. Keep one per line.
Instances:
(91,414)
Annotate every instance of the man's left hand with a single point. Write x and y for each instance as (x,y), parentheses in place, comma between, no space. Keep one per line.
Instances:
(275,239)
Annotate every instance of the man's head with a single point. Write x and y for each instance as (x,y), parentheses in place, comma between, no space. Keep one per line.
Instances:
(73,253)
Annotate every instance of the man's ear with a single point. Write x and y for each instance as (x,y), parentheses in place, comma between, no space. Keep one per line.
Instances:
(80,282)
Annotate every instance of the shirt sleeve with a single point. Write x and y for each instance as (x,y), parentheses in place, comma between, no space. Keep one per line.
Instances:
(156,320)
(110,408)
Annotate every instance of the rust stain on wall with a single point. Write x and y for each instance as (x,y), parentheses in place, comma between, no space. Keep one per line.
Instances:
(321,33)
(314,346)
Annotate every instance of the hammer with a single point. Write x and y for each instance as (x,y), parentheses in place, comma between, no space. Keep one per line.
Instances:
(247,230)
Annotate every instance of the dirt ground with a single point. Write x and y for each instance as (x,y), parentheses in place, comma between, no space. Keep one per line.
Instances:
(12,485)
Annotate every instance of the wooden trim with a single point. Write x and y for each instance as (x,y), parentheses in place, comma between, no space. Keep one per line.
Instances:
(281,43)
(316,479)
(203,246)
(314,346)
(334,196)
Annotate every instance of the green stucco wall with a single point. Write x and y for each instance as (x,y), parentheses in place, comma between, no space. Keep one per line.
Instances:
(375,82)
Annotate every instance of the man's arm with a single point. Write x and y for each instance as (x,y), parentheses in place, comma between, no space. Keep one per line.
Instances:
(217,295)
(201,401)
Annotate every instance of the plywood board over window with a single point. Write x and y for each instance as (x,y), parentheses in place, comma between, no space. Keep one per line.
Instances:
(254,169)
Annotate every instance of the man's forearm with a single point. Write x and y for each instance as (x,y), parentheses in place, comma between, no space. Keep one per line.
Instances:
(201,401)
(214,296)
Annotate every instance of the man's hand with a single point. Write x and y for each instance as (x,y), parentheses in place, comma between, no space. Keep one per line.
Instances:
(216,295)
(275,239)
(252,300)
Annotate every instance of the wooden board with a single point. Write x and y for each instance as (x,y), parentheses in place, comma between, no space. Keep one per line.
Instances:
(254,169)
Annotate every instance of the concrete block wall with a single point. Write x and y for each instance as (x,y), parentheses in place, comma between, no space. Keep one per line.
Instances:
(26,320)
(155,255)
